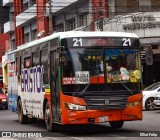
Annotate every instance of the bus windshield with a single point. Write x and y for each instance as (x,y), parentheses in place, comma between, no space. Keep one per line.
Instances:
(101,69)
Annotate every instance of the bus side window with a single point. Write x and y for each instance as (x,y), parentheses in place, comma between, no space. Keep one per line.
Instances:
(18,68)
(17,65)
(44,45)
(22,63)
(25,65)
(35,59)
(27,62)
(44,63)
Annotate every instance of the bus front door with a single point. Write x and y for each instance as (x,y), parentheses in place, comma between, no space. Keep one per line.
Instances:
(55,99)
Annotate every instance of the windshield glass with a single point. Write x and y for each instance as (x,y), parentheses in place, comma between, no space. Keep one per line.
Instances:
(101,69)
(152,87)
(122,65)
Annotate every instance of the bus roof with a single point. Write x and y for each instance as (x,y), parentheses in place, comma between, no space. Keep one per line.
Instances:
(96,34)
(69,34)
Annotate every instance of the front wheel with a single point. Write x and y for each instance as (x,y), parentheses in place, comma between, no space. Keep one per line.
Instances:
(116,124)
(21,118)
(149,104)
(48,119)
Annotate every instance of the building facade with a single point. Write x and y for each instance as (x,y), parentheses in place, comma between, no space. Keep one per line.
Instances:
(3,17)
(142,18)
(33,19)
(4,38)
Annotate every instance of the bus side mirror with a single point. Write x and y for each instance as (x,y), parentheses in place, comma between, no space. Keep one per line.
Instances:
(60,49)
(149,57)
(62,59)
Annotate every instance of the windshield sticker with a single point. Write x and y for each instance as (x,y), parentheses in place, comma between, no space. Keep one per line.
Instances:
(69,80)
(82,77)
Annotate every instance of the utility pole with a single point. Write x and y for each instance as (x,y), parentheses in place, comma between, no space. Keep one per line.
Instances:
(50,17)
(100,15)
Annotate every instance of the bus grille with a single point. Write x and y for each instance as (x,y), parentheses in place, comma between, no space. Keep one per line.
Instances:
(106,102)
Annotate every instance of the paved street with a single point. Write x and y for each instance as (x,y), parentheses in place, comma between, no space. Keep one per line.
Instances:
(150,124)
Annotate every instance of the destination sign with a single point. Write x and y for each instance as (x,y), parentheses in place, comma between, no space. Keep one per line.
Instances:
(101,41)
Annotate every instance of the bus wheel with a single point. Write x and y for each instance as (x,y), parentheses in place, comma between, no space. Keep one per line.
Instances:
(48,119)
(116,124)
(22,118)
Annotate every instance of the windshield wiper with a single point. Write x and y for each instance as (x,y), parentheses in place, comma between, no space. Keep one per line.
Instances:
(85,88)
(126,88)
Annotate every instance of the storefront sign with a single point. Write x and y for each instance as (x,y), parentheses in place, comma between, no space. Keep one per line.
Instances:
(141,22)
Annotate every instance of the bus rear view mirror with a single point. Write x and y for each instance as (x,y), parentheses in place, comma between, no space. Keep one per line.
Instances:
(60,49)
(149,57)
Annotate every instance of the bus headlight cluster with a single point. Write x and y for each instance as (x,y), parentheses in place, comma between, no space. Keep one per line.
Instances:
(71,106)
(4,100)
(137,103)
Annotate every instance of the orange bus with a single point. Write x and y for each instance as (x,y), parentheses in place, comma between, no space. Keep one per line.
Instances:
(77,77)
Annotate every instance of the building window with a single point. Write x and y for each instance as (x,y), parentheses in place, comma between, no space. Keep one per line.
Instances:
(26,38)
(71,24)
(32,2)
(34,34)
(120,7)
(13,45)
(155,5)
(126,6)
(11,16)
(25,6)
(132,6)
(35,58)
(60,27)
(144,5)
(83,19)
(44,63)
(1,26)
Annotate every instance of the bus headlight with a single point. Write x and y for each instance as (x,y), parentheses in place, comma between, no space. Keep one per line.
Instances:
(4,100)
(137,103)
(71,106)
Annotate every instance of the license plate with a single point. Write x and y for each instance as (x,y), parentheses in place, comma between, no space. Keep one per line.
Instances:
(158,103)
(103,119)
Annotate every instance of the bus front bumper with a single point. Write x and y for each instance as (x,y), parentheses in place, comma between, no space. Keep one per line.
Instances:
(99,116)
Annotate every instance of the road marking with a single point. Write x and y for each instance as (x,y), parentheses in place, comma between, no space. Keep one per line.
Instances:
(47,138)
(77,138)
(7,138)
(90,138)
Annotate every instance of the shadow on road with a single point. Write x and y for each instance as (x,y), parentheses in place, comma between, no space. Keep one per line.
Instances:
(90,130)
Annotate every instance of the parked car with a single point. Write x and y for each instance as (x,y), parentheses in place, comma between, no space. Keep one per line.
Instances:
(149,95)
(3,100)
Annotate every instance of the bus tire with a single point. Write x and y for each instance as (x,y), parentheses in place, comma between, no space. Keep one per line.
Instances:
(116,124)
(21,118)
(48,119)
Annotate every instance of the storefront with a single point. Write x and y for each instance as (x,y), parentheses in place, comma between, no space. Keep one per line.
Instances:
(147,27)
